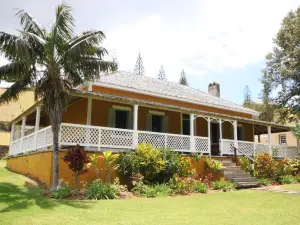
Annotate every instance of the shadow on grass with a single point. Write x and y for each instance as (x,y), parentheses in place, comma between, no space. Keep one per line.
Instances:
(17,198)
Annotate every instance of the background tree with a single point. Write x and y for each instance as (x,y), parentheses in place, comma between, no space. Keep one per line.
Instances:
(162,74)
(183,78)
(247,95)
(282,72)
(139,65)
(52,63)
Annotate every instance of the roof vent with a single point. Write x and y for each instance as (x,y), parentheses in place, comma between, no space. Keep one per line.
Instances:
(214,89)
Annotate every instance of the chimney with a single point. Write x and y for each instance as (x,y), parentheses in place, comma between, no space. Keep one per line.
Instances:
(214,89)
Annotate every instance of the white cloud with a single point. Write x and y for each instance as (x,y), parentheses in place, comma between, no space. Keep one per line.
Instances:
(223,35)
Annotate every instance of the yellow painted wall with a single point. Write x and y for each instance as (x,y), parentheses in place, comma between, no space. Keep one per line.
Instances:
(4,138)
(290,138)
(39,166)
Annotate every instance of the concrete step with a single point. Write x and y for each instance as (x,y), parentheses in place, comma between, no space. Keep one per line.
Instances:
(247,184)
(242,179)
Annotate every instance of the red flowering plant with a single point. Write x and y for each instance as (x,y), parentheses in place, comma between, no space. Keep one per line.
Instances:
(76,158)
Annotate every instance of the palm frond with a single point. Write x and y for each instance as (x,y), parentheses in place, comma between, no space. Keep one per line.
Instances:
(14,71)
(29,24)
(13,92)
(14,48)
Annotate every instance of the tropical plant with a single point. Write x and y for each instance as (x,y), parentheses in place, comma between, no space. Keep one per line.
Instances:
(264,181)
(76,158)
(197,158)
(53,63)
(264,166)
(93,163)
(63,190)
(287,179)
(223,185)
(245,163)
(97,190)
(213,164)
(297,178)
(182,185)
(201,187)
(109,159)
(185,169)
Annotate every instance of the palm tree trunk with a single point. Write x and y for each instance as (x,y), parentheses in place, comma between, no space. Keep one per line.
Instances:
(55,119)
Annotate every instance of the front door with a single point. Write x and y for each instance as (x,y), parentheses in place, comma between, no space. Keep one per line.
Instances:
(214,138)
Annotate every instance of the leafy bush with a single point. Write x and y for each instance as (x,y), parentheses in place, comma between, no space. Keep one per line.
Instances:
(265,166)
(245,163)
(63,190)
(213,164)
(295,164)
(98,190)
(182,185)
(76,158)
(201,188)
(297,178)
(223,185)
(288,179)
(264,181)
(208,179)
(155,165)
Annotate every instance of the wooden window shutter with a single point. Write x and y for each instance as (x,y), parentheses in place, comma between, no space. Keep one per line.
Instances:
(148,122)
(112,117)
(165,124)
(130,120)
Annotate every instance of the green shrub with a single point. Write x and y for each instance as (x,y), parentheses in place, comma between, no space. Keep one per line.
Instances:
(295,164)
(287,179)
(63,191)
(245,163)
(297,178)
(155,165)
(201,188)
(265,166)
(158,190)
(264,181)
(182,185)
(223,185)
(213,164)
(98,190)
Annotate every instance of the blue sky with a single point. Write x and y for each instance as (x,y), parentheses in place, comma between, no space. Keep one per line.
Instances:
(212,40)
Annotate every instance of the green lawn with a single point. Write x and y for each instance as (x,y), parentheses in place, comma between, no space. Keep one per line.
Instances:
(20,203)
(293,187)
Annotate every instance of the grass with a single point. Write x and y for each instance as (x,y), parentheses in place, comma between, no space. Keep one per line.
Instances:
(22,203)
(293,187)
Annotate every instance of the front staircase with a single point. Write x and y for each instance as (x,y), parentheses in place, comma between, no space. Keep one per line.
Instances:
(237,175)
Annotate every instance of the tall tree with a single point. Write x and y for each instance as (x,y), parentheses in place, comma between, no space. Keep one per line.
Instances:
(162,73)
(53,63)
(282,72)
(183,78)
(247,94)
(139,65)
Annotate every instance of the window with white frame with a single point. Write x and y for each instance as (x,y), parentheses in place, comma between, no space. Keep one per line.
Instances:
(282,139)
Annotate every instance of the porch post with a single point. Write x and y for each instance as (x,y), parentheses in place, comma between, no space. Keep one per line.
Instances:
(258,138)
(192,134)
(135,125)
(12,133)
(270,140)
(221,143)
(22,132)
(235,136)
(89,112)
(209,140)
(37,124)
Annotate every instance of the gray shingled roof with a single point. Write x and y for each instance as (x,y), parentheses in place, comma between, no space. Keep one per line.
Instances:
(151,85)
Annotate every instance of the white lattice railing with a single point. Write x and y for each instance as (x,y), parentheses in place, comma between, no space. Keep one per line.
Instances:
(253,148)
(202,144)
(93,136)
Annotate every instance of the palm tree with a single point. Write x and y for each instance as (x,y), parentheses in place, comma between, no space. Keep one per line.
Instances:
(53,63)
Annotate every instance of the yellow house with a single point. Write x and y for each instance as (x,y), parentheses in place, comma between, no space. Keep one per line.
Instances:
(121,110)
(10,111)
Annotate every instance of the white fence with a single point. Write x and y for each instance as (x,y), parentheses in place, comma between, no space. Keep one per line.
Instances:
(105,137)
(253,148)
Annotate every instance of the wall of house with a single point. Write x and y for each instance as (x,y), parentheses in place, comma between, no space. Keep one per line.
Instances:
(39,166)
(76,112)
(168,101)
(248,131)
(290,138)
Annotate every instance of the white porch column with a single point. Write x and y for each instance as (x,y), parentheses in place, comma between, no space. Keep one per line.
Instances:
(235,136)
(12,133)
(135,125)
(37,124)
(270,140)
(192,134)
(208,135)
(221,137)
(22,132)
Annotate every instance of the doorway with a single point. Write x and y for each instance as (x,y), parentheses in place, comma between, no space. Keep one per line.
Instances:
(214,138)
